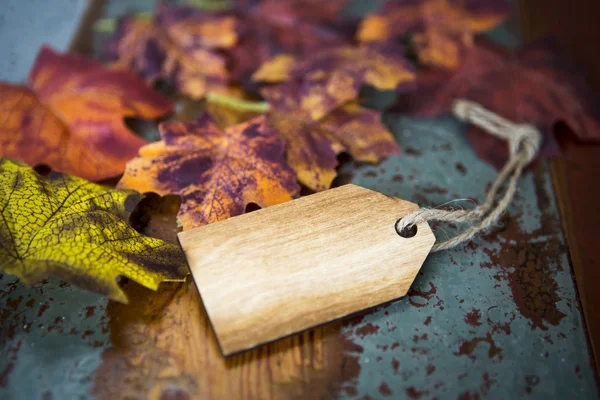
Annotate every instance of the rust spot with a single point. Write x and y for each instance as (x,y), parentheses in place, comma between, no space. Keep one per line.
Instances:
(428,320)
(87,333)
(473,317)
(42,309)
(12,359)
(430,369)
(368,329)
(416,338)
(398,178)
(413,393)
(14,303)
(394,345)
(395,365)
(468,346)
(460,167)
(468,396)
(89,311)
(412,293)
(370,174)
(30,303)
(434,189)
(411,151)
(56,324)
(531,381)
(385,390)
(487,384)
(525,265)
(578,372)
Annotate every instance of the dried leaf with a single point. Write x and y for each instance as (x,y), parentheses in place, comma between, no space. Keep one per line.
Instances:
(217,173)
(535,86)
(77,230)
(269,28)
(177,46)
(312,144)
(287,12)
(343,71)
(441,30)
(224,116)
(71,116)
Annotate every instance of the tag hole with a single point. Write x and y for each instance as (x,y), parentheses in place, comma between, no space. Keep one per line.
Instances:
(406,232)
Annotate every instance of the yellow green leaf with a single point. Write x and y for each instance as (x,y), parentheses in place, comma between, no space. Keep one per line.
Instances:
(69,227)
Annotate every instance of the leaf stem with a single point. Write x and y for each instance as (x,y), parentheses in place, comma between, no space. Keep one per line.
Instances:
(109,25)
(236,103)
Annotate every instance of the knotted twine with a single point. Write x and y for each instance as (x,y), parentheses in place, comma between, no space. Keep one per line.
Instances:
(524,141)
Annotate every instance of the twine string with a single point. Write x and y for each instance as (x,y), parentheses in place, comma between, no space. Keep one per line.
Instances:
(524,141)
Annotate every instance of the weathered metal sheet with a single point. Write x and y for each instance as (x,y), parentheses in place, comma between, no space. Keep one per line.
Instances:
(497,318)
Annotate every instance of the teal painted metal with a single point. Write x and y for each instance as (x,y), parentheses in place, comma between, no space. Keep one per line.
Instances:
(495,319)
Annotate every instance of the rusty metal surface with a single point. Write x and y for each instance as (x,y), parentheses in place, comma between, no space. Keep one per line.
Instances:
(497,318)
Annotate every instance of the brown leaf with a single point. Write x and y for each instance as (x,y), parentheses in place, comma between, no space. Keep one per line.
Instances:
(217,173)
(269,28)
(441,30)
(535,86)
(71,116)
(344,70)
(313,139)
(177,46)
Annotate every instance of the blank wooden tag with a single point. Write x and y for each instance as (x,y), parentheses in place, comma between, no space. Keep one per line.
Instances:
(280,270)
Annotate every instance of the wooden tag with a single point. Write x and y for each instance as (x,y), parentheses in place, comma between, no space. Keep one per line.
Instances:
(283,269)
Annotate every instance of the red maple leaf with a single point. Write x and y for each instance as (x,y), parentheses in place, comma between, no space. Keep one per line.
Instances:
(535,86)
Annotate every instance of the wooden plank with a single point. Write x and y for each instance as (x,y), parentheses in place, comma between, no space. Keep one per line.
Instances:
(287,268)
(576,187)
(575,28)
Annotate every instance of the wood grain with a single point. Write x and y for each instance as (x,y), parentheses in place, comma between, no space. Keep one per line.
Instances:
(287,268)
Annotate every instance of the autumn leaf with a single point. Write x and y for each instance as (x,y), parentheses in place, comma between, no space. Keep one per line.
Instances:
(217,173)
(177,45)
(535,86)
(312,144)
(70,118)
(314,11)
(66,226)
(268,28)
(342,71)
(441,30)
(224,115)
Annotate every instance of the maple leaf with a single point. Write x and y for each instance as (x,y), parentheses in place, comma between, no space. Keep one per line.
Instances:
(535,86)
(178,46)
(312,144)
(70,118)
(441,30)
(79,231)
(217,173)
(341,72)
(270,27)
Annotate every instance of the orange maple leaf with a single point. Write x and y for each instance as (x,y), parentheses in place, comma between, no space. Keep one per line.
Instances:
(70,118)
(178,46)
(340,72)
(217,173)
(313,140)
(441,29)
